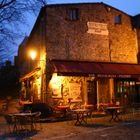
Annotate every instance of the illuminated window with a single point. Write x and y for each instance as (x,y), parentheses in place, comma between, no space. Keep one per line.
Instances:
(118,19)
(126,90)
(73,14)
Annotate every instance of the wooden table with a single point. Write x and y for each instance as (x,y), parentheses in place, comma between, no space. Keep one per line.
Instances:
(81,115)
(114,111)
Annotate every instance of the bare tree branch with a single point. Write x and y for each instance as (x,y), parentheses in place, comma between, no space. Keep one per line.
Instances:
(12,15)
(4,3)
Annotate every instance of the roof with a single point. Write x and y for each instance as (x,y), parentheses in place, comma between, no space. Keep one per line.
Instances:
(85,3)
(99,69)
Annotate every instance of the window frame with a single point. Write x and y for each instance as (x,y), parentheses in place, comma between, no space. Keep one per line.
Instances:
(73,14)
(118,19)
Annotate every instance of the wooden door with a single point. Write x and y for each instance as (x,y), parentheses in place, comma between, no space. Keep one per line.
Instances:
(92,92)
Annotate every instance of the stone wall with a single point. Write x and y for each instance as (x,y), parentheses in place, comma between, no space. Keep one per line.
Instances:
(55,95)
(54,36)
(66,93)
(103,91)
(136,25)
(69,39)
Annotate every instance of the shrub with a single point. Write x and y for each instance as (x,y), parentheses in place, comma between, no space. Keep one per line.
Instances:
(45,110)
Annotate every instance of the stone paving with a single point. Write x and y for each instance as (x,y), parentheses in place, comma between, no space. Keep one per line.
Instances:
(96,128)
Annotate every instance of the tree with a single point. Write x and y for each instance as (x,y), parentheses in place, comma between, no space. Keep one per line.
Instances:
(9,77)
(12,14)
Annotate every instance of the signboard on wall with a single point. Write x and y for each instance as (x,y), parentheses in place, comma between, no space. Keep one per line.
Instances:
(75,90)
(97,28)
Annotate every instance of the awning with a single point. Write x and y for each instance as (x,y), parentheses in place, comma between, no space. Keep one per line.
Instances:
(98,69)
(28,75)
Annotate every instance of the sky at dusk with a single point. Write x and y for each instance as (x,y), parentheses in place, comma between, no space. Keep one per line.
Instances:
(131,7)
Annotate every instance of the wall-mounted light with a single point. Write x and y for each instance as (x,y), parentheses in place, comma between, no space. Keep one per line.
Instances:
(33,54)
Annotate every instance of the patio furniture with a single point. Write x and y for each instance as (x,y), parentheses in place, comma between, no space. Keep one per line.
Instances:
(89,107)
(10,120)
(103,109)
(115,112)
(70,114)
(63,109)
(26,121)
(81,115)
(37,119)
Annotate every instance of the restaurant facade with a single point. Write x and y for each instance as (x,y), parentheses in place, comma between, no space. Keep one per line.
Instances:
(85,53)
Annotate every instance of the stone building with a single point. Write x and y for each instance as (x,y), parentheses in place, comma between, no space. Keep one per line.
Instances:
(136,24)
(86,52)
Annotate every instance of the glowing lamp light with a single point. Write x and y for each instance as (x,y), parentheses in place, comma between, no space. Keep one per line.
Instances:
(33,54)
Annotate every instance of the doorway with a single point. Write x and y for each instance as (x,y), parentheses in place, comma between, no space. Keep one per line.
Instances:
(92,92)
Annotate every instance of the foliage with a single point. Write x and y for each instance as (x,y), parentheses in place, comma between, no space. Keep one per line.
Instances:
(45,110)
(9,80)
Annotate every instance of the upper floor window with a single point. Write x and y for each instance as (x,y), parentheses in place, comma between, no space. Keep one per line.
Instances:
(73,14)
(118,19)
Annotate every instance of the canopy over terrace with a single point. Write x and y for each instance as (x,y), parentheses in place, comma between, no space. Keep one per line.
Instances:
(97,69)
(28,75)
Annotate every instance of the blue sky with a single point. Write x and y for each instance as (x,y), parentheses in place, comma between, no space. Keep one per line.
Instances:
(131,7)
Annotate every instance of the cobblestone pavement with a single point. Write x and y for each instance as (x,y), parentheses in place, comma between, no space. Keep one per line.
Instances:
(97,128)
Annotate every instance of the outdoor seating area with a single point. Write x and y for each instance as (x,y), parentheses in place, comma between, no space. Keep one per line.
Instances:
(86,116)
(114,112)
(77,113)
(66,128)
(81,115)
(21,122)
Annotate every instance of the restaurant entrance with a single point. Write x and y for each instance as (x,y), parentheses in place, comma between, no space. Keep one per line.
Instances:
(92,92)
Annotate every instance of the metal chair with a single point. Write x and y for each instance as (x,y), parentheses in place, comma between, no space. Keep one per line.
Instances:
(36,119)
(70,117)
(11,122)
